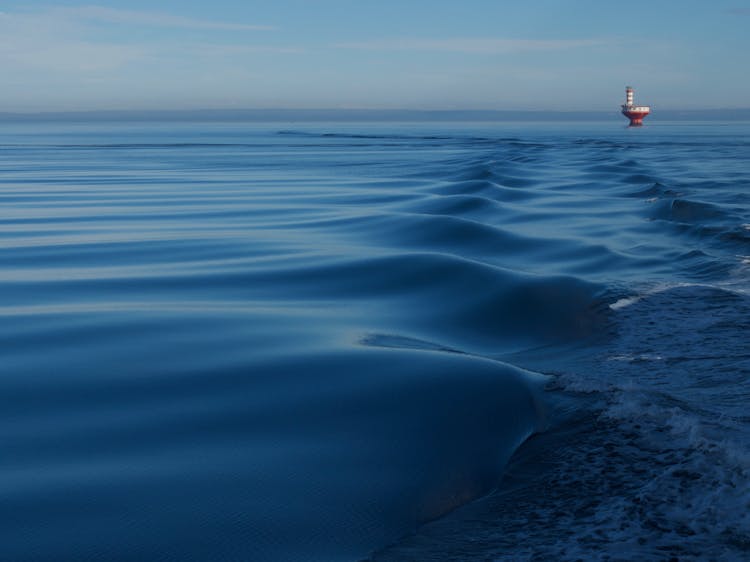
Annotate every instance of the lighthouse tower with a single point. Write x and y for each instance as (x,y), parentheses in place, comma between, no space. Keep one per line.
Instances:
(635,113)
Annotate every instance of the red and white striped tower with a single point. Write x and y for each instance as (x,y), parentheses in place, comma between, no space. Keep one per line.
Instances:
(635,113)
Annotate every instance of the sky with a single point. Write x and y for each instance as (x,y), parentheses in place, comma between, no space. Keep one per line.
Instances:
(372,54)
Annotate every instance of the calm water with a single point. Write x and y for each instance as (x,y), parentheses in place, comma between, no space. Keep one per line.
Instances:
(402,342)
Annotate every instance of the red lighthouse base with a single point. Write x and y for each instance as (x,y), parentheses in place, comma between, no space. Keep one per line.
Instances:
(636,117)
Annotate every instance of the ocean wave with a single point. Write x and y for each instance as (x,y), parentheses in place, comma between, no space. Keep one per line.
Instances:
(687,211)
(380,441)
(634,463)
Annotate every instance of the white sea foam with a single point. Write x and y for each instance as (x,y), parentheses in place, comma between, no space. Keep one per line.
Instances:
(624,302)
(635,358)
(640,479)
(647,477)
(730,286)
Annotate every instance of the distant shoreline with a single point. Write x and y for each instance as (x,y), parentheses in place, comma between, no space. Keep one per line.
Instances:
(370,115)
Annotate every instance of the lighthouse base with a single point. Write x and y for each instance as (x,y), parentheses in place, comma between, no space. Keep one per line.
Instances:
(636,117)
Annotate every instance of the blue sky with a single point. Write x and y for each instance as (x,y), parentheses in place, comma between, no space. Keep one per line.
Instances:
(411,54)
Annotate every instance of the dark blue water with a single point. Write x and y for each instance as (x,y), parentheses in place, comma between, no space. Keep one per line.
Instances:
(402,342)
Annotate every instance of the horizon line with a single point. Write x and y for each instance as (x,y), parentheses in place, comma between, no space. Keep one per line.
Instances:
(322,112)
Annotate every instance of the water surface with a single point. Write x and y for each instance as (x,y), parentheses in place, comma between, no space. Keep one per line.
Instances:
(304,342)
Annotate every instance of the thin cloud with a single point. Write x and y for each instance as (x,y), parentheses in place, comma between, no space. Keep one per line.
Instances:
(156,19)
(200,49)
(30,43)
(58,42)
(471,45)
